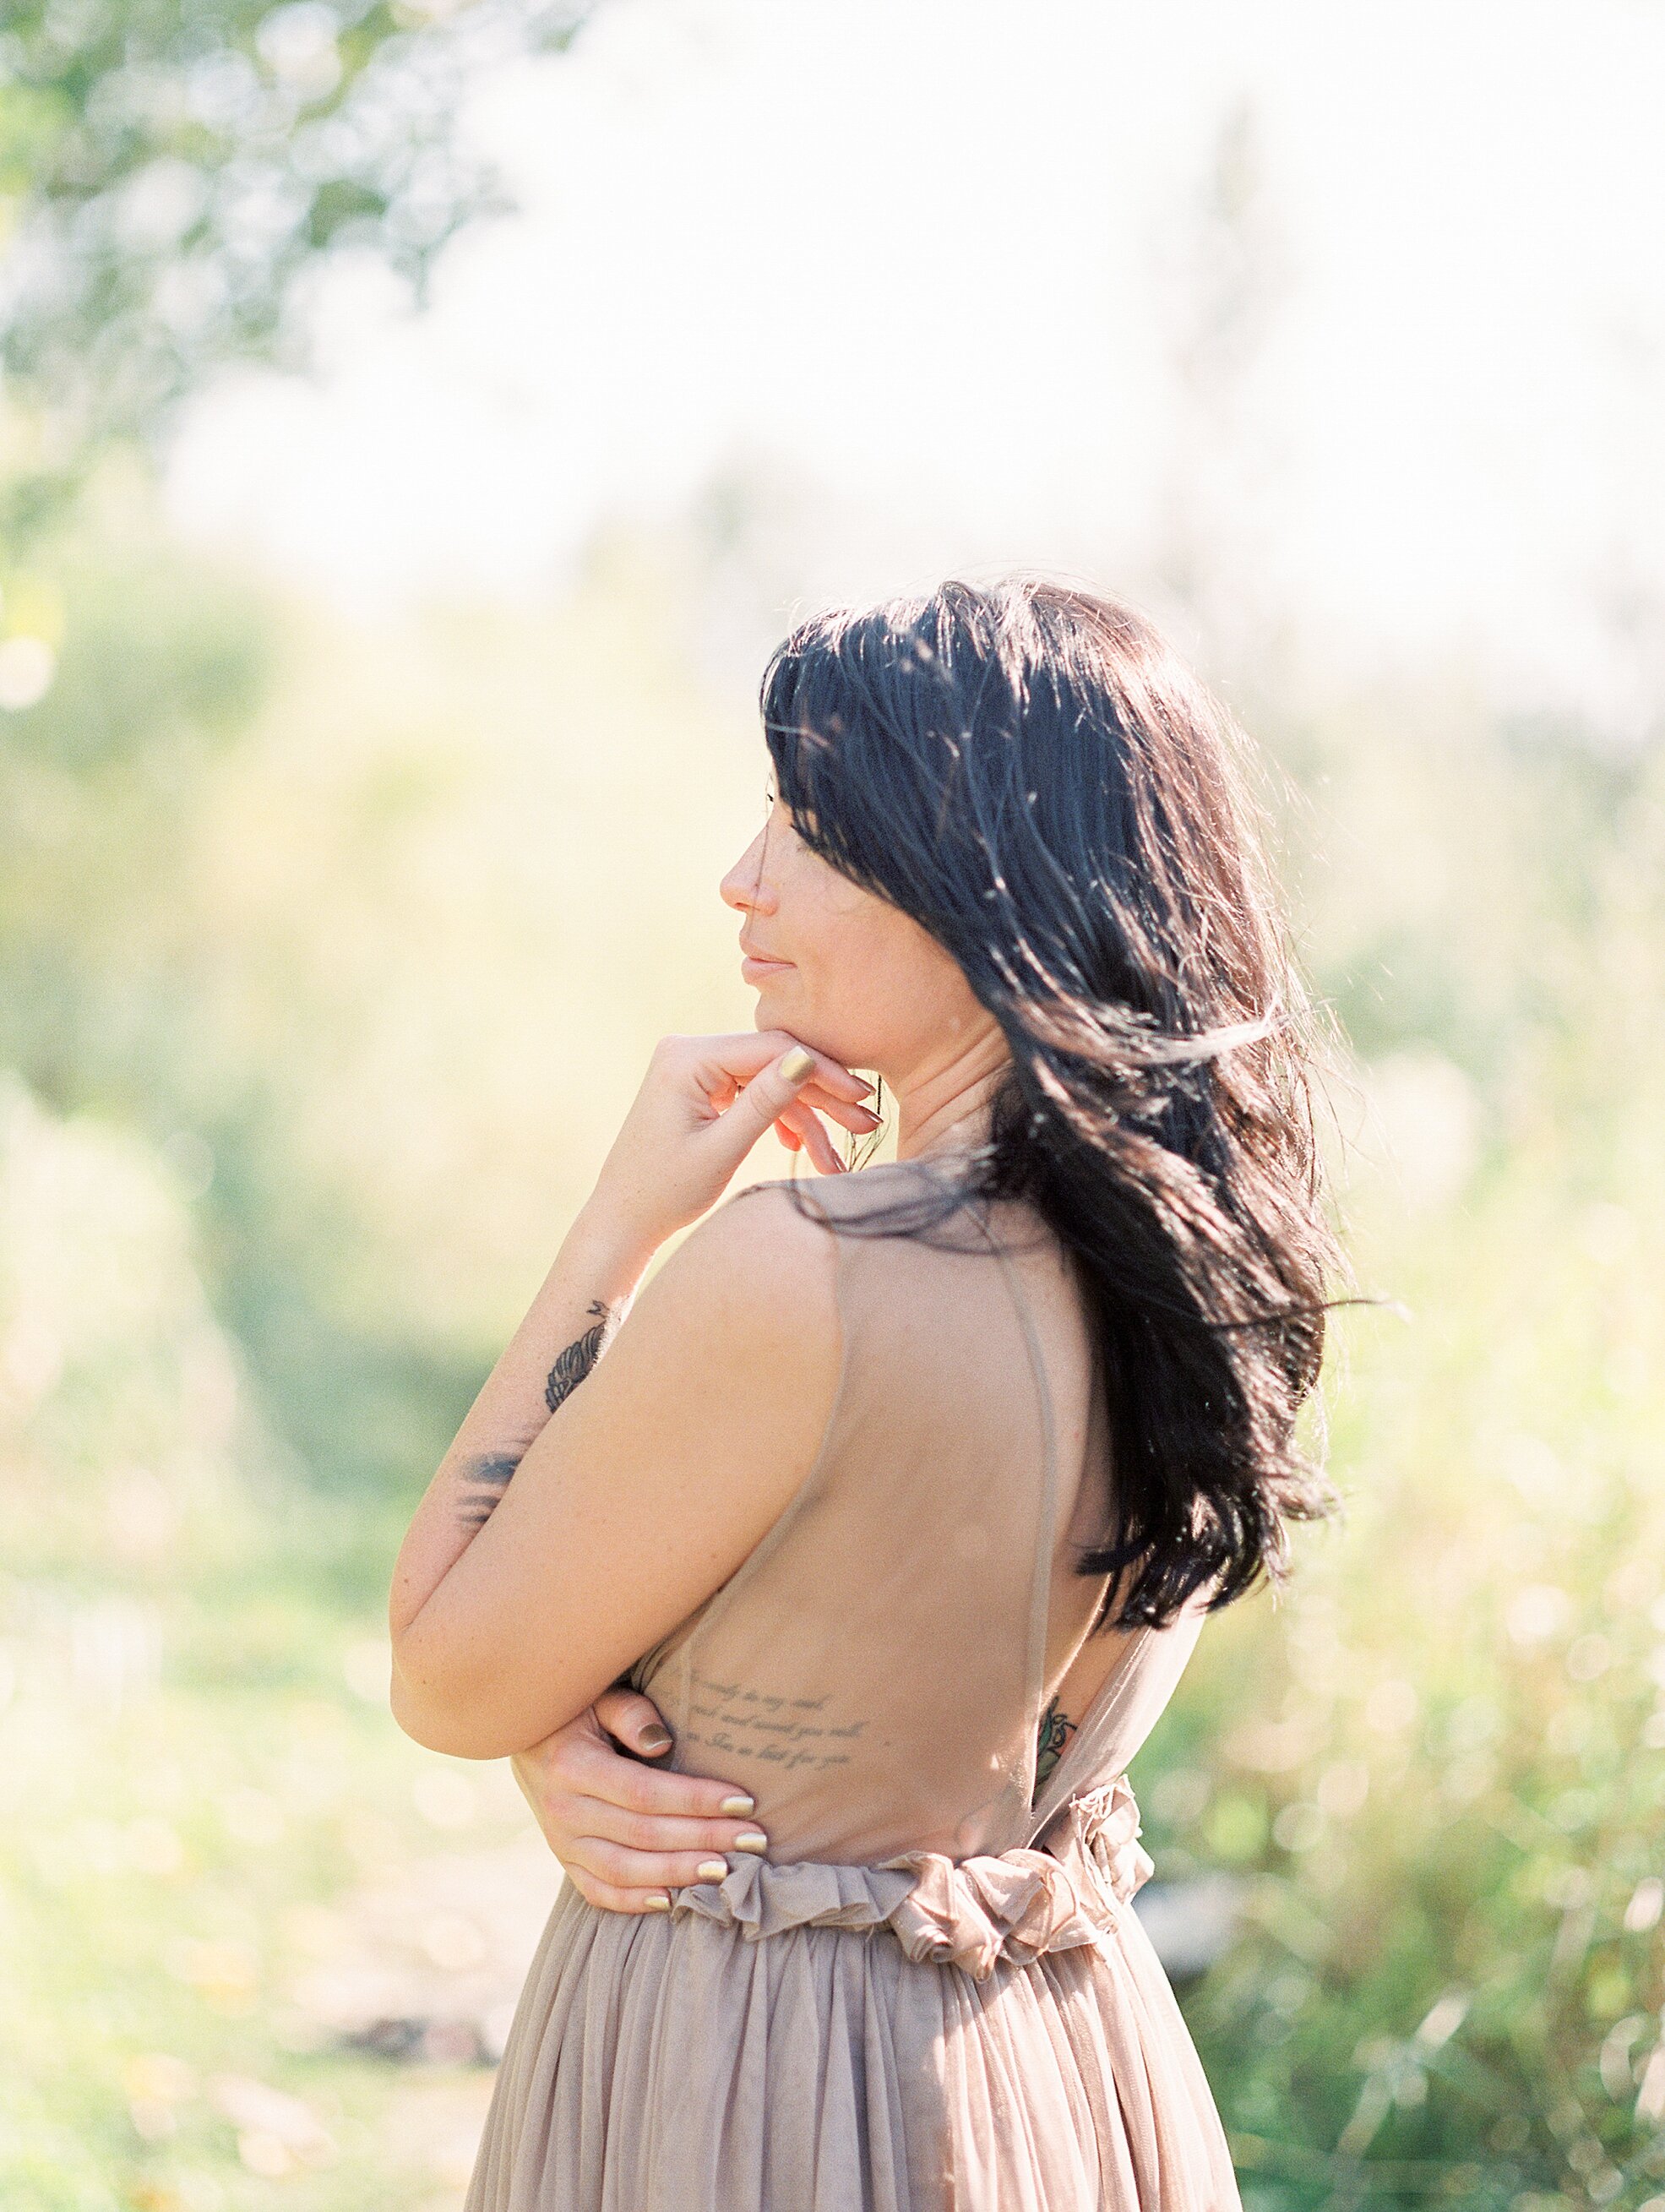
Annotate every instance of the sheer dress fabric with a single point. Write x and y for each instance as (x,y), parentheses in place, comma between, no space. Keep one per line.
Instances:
(933,1995)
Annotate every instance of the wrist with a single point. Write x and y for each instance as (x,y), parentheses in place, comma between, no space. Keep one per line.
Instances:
(613,1251)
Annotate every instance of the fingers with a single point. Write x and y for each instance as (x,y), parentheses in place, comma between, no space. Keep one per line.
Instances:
(638,1875)
(799,1127)
(858,1118)
(811,1138)
(771,1093)
(727,1068)
(611,1900)
(593,1820)
(790,1090)
(623,1861)
(737,1059)
(831,1073)
(634,1720)
(628,1835)
(589,1769)
(749,1084)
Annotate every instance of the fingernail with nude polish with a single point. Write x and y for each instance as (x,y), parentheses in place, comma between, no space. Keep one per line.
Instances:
(657,1902)
(713,1869)
(654,1739)
(751,1842)
(737,1806)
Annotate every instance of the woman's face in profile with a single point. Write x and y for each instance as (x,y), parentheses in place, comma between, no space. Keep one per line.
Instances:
(839,967)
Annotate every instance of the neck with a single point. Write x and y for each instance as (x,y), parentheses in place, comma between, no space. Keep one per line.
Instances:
(943,1107)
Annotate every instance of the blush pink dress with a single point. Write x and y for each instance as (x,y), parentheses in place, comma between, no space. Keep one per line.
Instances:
(933,1995)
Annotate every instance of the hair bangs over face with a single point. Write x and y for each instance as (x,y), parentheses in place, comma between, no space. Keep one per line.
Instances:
(860,726)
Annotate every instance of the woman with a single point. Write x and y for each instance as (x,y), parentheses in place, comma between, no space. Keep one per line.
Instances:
(901,1495)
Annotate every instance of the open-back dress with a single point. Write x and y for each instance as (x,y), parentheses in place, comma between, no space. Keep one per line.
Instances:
(933,1995)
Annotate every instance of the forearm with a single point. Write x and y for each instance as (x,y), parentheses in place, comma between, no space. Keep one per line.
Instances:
(583,1299)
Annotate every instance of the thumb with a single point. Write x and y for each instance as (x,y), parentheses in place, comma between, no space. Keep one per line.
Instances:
(635,1722)
(766,1097)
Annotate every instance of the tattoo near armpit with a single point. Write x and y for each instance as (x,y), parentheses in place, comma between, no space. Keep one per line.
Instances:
(485,1478)
(1056,1731)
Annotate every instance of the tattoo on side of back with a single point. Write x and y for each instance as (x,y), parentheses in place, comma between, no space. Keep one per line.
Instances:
(486,1478)
(1056,1731)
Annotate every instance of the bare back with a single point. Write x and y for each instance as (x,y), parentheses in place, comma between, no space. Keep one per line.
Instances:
(876,1672)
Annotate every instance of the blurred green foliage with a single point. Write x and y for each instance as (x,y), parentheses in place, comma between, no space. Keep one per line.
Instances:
(1442,1765)
(169,170)
(329,961)
(320,996)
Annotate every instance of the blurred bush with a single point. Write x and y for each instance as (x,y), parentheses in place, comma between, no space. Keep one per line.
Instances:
(1442,1761)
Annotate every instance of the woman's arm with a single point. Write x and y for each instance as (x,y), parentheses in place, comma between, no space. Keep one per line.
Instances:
(515,1603)
(584,1296)
(640,1495)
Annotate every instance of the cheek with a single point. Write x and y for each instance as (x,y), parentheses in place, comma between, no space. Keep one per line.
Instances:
(877,982)
(849,933)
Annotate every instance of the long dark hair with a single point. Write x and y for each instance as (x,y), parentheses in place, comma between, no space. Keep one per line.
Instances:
(1031,773)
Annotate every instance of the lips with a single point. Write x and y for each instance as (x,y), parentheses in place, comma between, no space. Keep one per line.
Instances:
(762,959)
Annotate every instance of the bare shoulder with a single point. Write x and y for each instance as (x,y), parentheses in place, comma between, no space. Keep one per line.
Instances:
(769,1240)
(745,1311)
(756,1281)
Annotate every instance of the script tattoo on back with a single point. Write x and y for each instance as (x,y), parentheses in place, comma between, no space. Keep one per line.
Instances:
(788,1732)
(484,1479)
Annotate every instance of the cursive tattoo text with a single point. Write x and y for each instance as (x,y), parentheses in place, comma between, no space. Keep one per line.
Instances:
(732,1720)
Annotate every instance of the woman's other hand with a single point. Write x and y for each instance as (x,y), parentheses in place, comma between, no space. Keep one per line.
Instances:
(704,1105)
(625,1835)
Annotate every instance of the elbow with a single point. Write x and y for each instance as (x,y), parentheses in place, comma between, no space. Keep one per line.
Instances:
(467,1698)
(444,1715)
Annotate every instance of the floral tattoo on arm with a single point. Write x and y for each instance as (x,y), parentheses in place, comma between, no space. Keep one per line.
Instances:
(485,1478)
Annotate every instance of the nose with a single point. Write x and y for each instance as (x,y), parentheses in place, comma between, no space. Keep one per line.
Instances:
(743,887)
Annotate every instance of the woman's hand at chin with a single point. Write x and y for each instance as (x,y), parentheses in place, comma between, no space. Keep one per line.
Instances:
(704,1105)
(627,1836)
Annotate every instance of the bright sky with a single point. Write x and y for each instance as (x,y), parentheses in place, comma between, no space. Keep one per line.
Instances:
(908,267)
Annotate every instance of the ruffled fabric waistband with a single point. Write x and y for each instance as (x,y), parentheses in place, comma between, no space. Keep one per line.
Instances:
(970,1913)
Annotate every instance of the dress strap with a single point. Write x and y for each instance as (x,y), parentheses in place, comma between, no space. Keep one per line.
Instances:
(1046,1534)
(1131,1699)
(1129,1703)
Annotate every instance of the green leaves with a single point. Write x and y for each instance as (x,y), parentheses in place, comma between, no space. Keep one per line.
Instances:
(170,168)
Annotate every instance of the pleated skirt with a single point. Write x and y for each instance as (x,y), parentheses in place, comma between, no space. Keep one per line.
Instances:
(672,2063)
